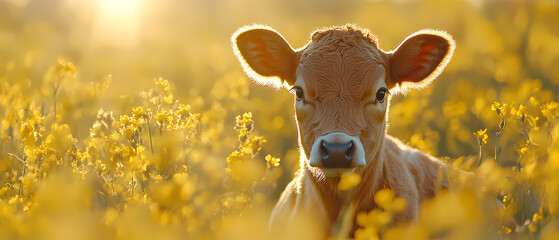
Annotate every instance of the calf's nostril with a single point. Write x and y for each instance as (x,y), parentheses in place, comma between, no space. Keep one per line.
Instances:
(349,152)
(323,151)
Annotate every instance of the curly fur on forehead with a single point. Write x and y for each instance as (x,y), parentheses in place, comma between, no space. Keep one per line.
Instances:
(347,33)
(341,61)
(340,39)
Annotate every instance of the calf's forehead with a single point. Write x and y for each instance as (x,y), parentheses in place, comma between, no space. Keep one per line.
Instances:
(342,61)
(343,72)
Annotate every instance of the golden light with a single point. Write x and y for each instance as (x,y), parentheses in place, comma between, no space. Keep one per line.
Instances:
(119,8)
(118,22)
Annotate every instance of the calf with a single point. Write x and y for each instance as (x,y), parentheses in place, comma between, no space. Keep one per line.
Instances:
(342,83)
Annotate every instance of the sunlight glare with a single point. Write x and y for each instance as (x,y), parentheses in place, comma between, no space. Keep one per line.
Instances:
(119,8)
(118,22)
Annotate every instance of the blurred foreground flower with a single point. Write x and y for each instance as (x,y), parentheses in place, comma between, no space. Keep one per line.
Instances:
(349,181)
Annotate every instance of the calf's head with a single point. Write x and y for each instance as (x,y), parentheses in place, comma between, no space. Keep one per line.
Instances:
(341,82)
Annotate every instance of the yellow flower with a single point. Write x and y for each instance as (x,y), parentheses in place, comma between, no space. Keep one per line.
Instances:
(272,160)
(349,181)
(366,234)
(64,67)
(550,109)
(481,135)
(139,114)
(164,118)
(375,219)
(244,125)
(183,111)
(499,108)
(508,230)
(162,84)
(519,112)
(534,101)
(523,148)
(538,216)
(386,200)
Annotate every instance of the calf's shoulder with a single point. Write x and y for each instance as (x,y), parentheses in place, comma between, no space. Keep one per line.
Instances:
(428,172)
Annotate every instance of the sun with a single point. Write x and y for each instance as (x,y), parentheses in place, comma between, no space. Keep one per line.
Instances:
(118,22)
(121,8)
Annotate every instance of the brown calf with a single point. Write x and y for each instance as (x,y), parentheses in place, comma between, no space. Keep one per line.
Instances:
(342,83)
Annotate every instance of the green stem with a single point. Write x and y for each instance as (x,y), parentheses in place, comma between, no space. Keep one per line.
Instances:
(497,135)
(22,160)
(54,92)
(21,181)
(480,156)
(496,147)
(523,129)
(149,133)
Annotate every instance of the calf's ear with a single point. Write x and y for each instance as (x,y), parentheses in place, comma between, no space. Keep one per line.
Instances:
(265,55)
(420,58)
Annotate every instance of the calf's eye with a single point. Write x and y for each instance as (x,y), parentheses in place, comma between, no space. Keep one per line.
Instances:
(299,94)
(381,95)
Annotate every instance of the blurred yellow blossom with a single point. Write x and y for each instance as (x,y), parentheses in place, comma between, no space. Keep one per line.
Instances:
(349,181)
(482,135)
(518,112)
(550,109)
(499,108)
(385,199)
(272,160)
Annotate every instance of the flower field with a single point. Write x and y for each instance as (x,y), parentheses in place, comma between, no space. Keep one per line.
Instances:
(132,119)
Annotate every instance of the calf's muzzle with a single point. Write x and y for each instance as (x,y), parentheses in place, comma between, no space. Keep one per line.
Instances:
(337,153)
